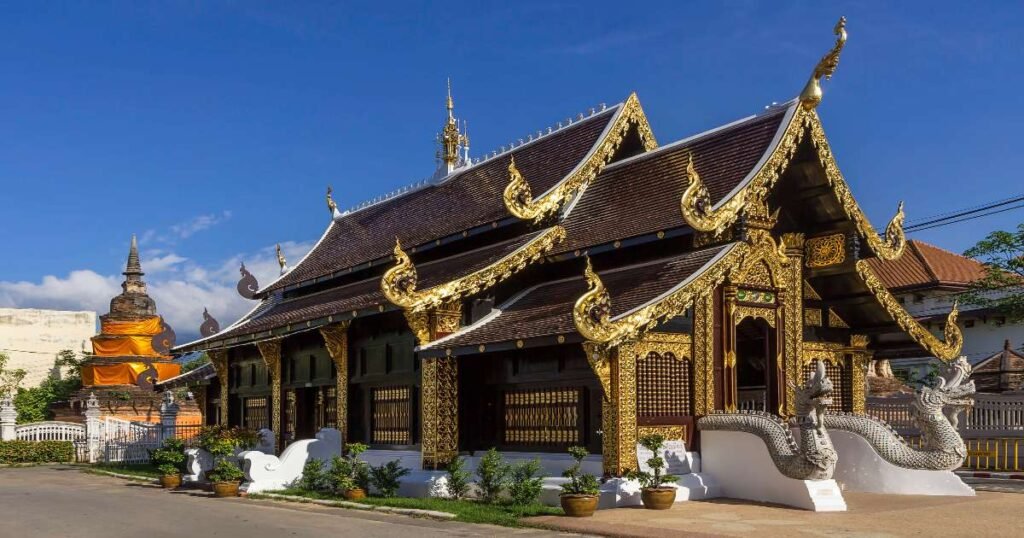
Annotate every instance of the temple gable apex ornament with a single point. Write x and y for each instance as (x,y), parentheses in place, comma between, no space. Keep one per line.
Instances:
(399,282)
(247,285)
(281,261)
(210,325)
(518,197)
(811,95)
(332,206)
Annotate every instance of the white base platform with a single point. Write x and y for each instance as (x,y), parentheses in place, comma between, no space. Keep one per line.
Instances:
(264,472)
(860,468)
(743,469)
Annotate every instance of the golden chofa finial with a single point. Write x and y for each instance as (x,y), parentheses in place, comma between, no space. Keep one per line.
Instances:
(283,263)
(811,95)
(331,205)
(451,105)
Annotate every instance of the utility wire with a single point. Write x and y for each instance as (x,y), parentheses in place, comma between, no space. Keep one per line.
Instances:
(964,215)
(920,220)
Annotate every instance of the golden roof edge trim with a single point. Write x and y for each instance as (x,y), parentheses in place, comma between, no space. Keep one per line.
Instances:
(399,282)
(518,197)
(592,311)
(947,349)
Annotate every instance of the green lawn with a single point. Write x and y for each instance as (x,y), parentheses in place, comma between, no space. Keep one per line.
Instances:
(469,511)
(142,470)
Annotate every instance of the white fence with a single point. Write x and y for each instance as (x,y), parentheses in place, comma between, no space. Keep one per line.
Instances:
(993,415)
(50,431)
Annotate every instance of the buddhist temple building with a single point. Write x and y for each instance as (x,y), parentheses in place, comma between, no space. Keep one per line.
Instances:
(129,356)
(587,285)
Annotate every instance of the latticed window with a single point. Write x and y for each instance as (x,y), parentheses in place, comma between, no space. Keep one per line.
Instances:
(330,407)
(255,413)
(549,417)
(391,410)
(841,396)
(663,386)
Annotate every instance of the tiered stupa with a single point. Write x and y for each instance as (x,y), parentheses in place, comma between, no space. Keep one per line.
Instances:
(129,356)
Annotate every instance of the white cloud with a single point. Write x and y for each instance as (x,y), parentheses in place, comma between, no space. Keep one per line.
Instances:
(194,225)
(180,287)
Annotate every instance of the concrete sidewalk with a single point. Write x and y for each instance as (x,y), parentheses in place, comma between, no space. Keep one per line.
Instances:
(875,516)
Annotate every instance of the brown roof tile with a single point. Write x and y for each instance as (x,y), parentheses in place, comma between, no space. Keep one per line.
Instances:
(469,199)
(366,293)
(641,195)
(546,309)
(923,265)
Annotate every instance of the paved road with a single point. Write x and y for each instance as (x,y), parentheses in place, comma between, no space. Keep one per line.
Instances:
(63,501)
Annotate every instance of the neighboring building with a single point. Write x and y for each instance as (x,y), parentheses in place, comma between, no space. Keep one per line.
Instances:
(32,338)
(927,280)
(1002,372)
(584,287)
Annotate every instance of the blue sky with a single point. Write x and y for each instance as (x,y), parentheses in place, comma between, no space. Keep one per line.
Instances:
(211,129)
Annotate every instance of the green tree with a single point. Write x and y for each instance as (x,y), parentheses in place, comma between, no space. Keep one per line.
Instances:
(195,363)
(10,378)
(1002,254)
(34,403)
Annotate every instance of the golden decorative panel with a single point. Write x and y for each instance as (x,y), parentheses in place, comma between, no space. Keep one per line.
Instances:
(440,411)
(835,321)
(946,349)
(219,358)
(543,417)
(670,433)
(663,385)
(755,296)
(703,354)
(270,350)
(518,197)
(399,282)
(810,293)
(812,317)
(825,250)
(793,316)
(742,312)
(336,341)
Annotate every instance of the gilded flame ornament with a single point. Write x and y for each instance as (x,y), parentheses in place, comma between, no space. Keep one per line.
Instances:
(811,95)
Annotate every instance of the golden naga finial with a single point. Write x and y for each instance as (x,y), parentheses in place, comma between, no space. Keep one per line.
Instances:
(399,282)
(517,196)
(895,238)
(331,205)
(695,203)
(811,95)
(593,310)
(283,263)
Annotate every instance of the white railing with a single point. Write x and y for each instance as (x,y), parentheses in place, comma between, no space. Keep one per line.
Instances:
(129,442)
(993,415)
(50,431)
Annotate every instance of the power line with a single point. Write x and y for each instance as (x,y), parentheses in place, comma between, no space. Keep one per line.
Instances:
(963,217)
(921,220)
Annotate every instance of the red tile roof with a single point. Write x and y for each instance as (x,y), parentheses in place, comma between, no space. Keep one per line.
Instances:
(926,266)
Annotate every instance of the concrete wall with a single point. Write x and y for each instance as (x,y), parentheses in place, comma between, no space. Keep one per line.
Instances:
(32,338)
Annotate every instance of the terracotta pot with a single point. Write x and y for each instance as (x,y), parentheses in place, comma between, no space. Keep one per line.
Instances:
(354,494)
(170,481)
(658,498)
(225,489)
(578,505)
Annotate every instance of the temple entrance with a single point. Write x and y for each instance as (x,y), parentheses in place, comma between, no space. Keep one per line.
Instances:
(755,366)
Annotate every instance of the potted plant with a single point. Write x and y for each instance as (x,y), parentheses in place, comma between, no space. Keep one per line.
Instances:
(170,460)
(225,476)
(579,494)
(222,442)
(657,491)
(349,475)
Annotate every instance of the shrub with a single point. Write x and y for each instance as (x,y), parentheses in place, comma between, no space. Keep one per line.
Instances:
(525,486)
(170,458)
(579,483)
(224,440)
(225,470)
(387,477)
(36,452)
(492,472)
(458,478)
(348,471)
(654,479)
(314,477)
